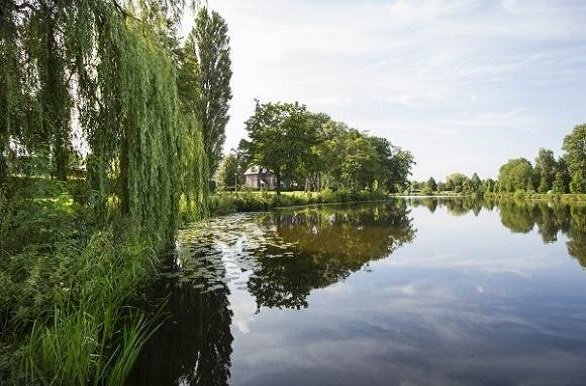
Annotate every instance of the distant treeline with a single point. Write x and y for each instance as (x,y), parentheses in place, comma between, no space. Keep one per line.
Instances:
(310,151)
(566,174)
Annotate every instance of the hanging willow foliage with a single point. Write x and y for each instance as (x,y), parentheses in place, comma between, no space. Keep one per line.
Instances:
(12,98)
(145,152)
(195,177)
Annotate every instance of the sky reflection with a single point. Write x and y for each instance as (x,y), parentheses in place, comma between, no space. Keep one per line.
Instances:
(446,300)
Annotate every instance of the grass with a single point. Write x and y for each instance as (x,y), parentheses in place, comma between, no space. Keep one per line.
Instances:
(67,313)
(229,202)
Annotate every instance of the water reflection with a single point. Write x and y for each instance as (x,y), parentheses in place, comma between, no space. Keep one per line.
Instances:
(450,299)
(193,346)
(278,257)
(321,246)
(550,218)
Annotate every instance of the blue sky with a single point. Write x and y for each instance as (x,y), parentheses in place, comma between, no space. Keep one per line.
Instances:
(464,85)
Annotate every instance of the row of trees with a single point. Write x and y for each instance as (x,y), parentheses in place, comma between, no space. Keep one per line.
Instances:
(455,182)
(562,175)
(311,151)
(566,174)
(114,77)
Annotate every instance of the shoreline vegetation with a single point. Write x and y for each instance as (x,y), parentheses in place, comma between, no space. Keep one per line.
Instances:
(251,201)
(257,201)
(562,178)
(222,203)
(71,288)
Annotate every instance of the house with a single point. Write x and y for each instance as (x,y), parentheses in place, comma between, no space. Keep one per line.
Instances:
(259,178)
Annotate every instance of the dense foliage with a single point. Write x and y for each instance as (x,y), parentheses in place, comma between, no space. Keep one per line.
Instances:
(575,158)
(516,174)
(105,68)
(228,173)
(311,151)
(93,93)
(564,175)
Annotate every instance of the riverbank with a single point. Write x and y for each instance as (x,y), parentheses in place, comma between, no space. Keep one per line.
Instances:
(69,288)
(230,202)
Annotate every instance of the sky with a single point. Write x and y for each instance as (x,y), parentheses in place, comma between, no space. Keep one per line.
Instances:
(464,85)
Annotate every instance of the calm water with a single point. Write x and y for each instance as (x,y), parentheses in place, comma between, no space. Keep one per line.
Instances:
(414,292)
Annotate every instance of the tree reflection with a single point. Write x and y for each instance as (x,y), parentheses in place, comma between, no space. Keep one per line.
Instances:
(284,255)
(194,345)
(577,234)
(517,218)
(551,219)
(456,206)
(316,247)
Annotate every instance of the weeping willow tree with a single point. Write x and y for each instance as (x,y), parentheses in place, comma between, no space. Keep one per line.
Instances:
(104,59)
(101,70)
(13,98)
(36,102)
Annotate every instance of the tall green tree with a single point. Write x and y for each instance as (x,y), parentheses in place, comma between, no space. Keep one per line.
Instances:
(208,50)
(281,137)
(395,164)
(456,181)
(562,177)
(312,167)
(516,174)
(575,156)
(475,183)
(545,170)
(109,58)
(431,184)
(228,172)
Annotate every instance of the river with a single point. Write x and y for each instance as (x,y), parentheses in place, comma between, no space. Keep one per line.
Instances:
(409,292)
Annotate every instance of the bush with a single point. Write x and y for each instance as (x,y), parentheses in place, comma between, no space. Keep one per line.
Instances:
(223,203)
(67,289)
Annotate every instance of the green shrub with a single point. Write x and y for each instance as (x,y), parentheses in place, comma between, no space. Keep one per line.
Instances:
(67,290)
(228,202)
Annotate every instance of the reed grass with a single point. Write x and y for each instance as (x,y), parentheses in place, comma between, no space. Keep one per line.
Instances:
(69,292)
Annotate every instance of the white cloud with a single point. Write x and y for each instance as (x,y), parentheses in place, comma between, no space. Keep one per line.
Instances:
(397,68)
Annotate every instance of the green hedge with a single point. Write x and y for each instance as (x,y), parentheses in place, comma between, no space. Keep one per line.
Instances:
(222,203)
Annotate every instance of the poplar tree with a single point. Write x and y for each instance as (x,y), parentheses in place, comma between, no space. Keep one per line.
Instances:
(545,170)
(208,48)
(575,157)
